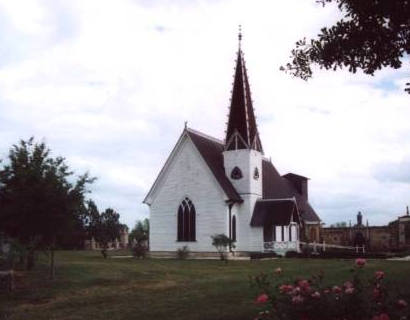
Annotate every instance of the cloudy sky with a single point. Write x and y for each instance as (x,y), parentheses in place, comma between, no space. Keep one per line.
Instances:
(109,84)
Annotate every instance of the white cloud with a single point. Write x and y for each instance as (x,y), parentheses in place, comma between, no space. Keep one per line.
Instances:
(110,84)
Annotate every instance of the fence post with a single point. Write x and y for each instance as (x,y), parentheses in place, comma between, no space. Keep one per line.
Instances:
(324,246)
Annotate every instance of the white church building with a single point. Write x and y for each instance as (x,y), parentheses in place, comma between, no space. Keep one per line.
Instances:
(210,186)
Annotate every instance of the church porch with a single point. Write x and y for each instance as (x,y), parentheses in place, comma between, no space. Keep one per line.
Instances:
(281,225)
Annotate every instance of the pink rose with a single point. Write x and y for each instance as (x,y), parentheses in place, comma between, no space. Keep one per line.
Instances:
(284,288)
(349,290)
(401,304)
(360,262)
(278,270)
(303,284)
(379,275)
(297,299)
(348,284)
(326,291)
(336,289)
(316,295)
(262,298)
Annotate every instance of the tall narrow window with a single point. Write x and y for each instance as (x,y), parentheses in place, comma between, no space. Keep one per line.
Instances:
(283,233)
(234,228)
(186,221)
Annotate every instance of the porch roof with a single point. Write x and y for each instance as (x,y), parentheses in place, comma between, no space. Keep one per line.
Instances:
(279,212)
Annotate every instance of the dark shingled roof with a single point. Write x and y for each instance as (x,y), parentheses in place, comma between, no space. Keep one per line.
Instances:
(277,212)
(273,185)
(241,114)
(276,187)
(211,150)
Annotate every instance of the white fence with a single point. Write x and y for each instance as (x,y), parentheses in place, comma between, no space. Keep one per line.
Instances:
(323,246)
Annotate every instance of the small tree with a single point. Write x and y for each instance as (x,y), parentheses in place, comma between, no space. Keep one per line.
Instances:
(140,233)
(104,227)
(221,242)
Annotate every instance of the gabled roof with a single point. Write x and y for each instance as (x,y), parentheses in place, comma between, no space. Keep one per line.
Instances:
(211,150)
(276,187)
(279,212)
(242,132)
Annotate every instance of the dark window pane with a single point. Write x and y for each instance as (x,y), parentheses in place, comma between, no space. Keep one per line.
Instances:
(234,228)
(192,225)
(180,222)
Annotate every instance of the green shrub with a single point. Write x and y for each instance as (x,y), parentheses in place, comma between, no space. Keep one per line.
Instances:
(139,250)
(182,253)
(221,242)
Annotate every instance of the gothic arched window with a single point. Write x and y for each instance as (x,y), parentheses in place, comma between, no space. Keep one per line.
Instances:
(236,173)
(186,221)
(234,228)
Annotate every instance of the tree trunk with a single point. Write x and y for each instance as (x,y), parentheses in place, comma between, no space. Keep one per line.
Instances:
(52,264)
(104,253)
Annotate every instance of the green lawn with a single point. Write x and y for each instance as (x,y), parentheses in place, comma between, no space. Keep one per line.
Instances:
(89,287)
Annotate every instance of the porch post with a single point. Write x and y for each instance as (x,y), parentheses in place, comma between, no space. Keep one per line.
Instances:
(230,226)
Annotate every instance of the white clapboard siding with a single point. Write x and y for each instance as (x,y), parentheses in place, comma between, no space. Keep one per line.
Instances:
(187,176)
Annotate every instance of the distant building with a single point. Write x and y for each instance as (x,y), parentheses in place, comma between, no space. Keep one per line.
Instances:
(120,243)
(394,236)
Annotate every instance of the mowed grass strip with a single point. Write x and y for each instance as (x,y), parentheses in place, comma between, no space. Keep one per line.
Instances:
(90,287)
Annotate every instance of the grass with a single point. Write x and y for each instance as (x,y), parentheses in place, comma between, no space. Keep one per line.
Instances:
(89,287)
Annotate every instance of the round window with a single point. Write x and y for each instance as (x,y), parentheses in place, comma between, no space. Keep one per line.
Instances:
(236,173)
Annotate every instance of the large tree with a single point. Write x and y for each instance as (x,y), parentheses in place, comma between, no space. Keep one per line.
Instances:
(40,200)
(373,34)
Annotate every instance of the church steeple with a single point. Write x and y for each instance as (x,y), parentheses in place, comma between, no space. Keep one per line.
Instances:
(242,132)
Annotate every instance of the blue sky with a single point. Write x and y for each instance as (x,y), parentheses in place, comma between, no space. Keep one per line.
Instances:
(109,84)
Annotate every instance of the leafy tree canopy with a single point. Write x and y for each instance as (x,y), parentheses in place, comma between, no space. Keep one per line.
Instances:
(103,227)
(373,34)
(140,232)
(40,200)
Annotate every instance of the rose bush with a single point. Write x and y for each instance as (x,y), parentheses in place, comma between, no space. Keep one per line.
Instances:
(309,299)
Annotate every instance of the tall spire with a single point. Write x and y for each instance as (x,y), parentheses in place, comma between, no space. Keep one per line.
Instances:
(242,132)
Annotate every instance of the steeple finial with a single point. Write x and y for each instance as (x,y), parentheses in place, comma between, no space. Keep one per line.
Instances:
(240,36)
